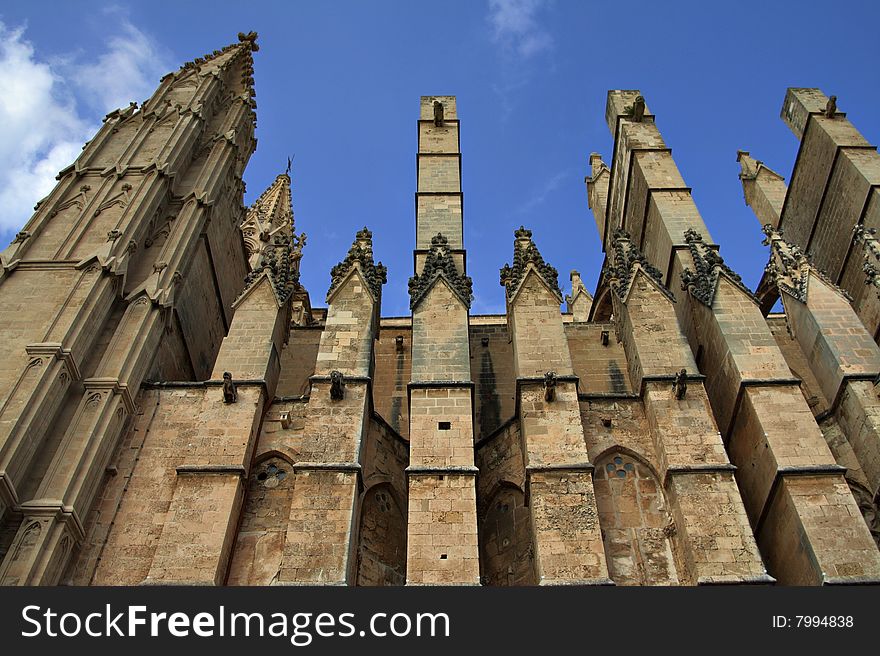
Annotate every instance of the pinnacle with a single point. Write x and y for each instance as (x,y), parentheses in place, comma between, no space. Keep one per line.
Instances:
(751,167)
(246,44)
(275,201)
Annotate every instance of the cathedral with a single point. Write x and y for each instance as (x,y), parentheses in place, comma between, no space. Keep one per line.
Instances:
(176,408)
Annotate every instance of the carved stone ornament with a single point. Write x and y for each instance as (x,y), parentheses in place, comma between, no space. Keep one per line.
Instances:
(550,386)
(709,266)
(337,385)
(360,254)
(680,384)
(871,257)
(440,263)
(789,267)
(524,253)
(621,264)
(280,260)
(230,394)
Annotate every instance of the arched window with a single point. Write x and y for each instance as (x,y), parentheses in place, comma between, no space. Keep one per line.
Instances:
(259,546)
(381,538)
(506,539)
(636,527)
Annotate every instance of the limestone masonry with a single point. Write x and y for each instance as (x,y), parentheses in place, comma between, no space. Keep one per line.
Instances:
(174,410)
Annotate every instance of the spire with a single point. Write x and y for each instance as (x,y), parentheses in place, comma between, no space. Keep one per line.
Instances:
(440,264)
(241,52)
(577,287)
(270,215)
(623,260)
(360,256)
(526,254)
(763,188)
(270,242)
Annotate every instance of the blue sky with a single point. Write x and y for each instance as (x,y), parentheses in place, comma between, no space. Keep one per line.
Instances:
(338,85)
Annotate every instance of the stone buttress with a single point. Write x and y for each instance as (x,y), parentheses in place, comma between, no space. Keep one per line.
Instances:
(834,189)
(709,528)
(806,521)
(320,545)
(442,520)
(566,534)
(843,359)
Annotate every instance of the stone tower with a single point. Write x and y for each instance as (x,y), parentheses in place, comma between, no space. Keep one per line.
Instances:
(126,272)
(174,410)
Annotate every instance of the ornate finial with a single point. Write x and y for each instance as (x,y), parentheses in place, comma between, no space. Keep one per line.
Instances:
(709,265)
(622,262)
(524,253)
(289,164)
(360,254)
(280,260)
(522,233)
(789,267)
(439,263)
(250,38)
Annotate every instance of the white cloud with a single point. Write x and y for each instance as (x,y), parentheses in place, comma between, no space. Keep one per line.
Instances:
(48,109)
(540,195)
(516,29)
(40,130)
(128,71)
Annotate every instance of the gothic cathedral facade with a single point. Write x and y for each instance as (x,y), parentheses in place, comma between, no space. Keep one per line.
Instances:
(174,410)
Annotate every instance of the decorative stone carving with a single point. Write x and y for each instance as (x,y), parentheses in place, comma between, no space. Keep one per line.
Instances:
(282,266)
(789,267)
(230,394)
(622,262)
(680,385)
(337,385)
(638,109)
(360,255)
(439,263)
(21,236)
(438,113)
(868,507)
(524,253)
(871,264)
(550,386)
(831,107)
(703,283)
